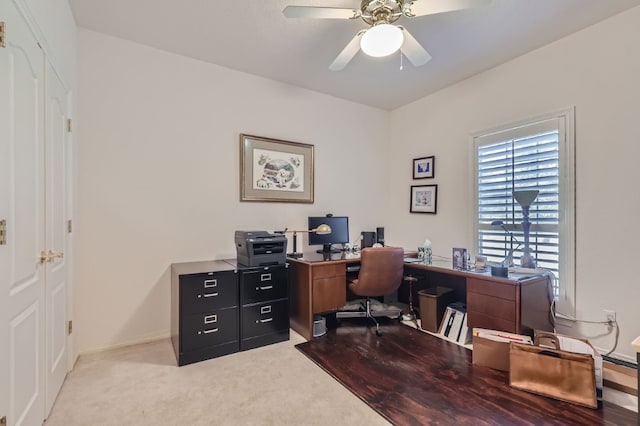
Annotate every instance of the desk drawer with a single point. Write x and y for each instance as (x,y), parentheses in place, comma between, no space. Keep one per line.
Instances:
(327,271)
(480,320)
(329,293)
(264,284)
(208,329)
(493,306)
(491,288)
(207,292)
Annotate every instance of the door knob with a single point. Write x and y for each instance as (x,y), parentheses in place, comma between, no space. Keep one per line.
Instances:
(50,256)
(53,255)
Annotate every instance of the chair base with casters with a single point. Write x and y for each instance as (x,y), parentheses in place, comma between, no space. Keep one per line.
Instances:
(379,310)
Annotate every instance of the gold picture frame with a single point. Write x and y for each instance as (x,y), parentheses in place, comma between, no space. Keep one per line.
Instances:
(274,170)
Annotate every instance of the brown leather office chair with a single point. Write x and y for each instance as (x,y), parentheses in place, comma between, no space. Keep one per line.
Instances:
(381,270)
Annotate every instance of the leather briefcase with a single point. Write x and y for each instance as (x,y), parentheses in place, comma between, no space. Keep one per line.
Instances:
(553,372)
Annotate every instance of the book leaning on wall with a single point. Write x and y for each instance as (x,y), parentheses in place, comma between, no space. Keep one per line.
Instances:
(454,323)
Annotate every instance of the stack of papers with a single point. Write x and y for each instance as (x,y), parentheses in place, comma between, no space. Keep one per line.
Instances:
(502,336)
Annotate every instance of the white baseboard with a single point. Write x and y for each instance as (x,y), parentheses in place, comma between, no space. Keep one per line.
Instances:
(147,339)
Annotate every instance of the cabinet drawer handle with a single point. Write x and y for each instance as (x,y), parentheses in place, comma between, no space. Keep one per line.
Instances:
(210,294)
(266,287)
(212,330)
(265,277)
(265,310)
(262,321)
(210,283)
(211,319)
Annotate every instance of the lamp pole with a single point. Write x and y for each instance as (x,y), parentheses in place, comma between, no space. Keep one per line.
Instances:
(527,260)
(525,198)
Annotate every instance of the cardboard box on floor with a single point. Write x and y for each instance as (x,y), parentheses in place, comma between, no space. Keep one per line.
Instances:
(491,347)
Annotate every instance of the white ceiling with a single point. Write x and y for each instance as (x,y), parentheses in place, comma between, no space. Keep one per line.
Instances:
(253,36)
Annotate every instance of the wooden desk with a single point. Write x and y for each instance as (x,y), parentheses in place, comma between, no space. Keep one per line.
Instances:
(318,285)
(517,305)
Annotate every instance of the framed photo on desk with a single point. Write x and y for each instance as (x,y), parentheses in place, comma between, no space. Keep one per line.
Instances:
(424,199)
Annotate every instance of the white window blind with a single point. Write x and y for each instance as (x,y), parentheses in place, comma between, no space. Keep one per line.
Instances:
(533,155)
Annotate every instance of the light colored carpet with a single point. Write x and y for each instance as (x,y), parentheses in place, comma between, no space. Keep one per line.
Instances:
(142,385)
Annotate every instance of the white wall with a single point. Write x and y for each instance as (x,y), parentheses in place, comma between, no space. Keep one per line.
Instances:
(595,70)
(158,168)
(159,171)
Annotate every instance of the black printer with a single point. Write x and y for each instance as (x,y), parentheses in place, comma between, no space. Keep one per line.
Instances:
(260,248)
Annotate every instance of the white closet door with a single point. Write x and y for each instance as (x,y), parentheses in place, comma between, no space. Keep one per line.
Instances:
(56,239)
(22,285)
(4,214)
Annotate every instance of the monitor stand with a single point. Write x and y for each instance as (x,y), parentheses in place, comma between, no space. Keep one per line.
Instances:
(326,249)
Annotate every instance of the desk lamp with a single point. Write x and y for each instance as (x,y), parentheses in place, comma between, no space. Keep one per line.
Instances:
(322,229)
(525,198)
(508,261)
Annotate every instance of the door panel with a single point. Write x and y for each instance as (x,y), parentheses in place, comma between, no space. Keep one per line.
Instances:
(22,284)
(4,214)
(56,185)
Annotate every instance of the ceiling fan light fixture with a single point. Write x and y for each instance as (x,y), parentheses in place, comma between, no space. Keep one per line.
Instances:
(381,40)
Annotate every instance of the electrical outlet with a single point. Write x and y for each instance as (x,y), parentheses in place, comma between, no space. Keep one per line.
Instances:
(610,315)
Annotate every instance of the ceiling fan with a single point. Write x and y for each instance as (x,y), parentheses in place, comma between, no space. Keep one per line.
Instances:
(383,38)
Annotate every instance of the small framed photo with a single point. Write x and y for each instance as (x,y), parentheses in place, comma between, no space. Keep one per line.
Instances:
(424,199)
(459,257)
(423,168)
(481,263)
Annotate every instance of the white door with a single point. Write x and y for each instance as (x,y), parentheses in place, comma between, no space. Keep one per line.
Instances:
(22,285)
(56,277)
(4,213)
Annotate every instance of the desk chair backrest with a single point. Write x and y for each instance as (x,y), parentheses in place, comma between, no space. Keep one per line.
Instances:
(381,270)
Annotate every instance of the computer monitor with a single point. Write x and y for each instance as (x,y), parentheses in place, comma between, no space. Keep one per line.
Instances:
(339,232)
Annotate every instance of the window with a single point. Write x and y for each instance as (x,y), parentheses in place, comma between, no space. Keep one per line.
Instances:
(537,154)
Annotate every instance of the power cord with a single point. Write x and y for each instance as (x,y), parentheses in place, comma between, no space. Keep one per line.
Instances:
(553,312)
(610,323)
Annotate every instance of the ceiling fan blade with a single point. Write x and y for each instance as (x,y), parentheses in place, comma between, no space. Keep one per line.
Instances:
(414,52)
(320,12)
(431,7)
(347,53)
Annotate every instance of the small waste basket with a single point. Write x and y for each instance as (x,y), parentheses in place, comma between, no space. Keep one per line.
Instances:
(433,302)
(319,325)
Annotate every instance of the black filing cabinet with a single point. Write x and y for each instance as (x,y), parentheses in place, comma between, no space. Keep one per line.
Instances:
(264,299)
(204,310)
(219,307)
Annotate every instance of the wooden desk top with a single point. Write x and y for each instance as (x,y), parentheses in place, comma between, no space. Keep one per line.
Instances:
(314,257)
(440,266)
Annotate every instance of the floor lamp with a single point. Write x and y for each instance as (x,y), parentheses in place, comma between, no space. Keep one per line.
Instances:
(525,198)
(322,229)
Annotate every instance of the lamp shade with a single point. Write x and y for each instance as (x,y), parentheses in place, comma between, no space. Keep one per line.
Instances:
(322,229)
(525,198)
(381,40)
